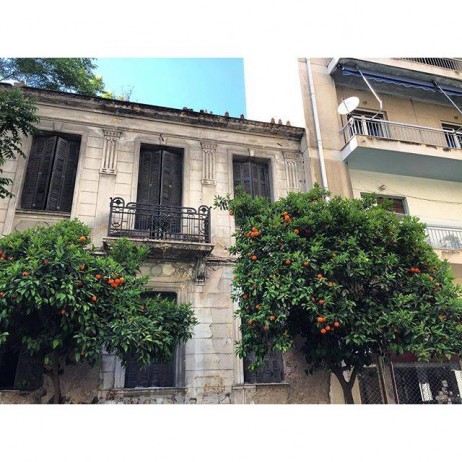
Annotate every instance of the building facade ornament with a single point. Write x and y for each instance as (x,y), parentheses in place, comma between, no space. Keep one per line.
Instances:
(109,161)
(208,162)
(291,161)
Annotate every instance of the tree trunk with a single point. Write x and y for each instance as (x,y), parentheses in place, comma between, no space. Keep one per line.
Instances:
(55,378)
(347,386)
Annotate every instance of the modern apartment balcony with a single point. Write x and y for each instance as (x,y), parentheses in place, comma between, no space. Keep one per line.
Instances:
(406,77)
(447,243)
(169,232)
(389,147)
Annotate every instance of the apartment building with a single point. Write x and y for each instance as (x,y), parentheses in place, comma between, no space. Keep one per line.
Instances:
(150,174)
(393,126)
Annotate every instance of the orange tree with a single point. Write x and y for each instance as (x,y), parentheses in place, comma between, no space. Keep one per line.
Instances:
(352,279)
(62,302)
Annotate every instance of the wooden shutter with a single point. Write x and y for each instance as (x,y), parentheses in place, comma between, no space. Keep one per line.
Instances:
(149,176)
(172,173)
(62,182)
(261,181)
(242,175)
(252,176)
(39,166)
(271,372)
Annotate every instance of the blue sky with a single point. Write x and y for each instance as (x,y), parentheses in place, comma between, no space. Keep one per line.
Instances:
(213,84)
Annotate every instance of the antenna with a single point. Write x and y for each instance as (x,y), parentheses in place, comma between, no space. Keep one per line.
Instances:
(348,105)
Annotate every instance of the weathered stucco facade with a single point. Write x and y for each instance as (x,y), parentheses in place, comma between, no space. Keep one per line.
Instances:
(111,135)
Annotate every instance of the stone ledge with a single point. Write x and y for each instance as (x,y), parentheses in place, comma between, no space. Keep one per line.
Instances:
(155,395)
(168,249)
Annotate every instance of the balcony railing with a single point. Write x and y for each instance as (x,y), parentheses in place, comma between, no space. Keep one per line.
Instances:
(444,63)
(441,237)
(159,222)
(378,128)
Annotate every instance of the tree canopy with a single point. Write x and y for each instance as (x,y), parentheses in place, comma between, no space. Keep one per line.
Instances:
(63,303)
(74,75)
(350,278)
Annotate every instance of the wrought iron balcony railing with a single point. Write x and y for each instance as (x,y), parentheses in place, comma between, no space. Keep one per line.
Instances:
(159,222)
(444,63)
(441,237)
(379,128)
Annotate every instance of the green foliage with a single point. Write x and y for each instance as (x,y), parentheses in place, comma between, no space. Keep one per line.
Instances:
(74,75)
(17,116)
(56,295)
(351,267)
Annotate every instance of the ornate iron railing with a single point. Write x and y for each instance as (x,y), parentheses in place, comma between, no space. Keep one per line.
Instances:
(379,128)
(440,237)
(159,222)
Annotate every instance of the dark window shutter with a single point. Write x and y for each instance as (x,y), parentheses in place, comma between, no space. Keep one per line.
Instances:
(252,176)
(271,372)
(61,190)
(149,176)
(34,194)
(171,178)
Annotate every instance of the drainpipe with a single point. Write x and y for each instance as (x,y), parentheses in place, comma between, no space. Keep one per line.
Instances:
(317,129)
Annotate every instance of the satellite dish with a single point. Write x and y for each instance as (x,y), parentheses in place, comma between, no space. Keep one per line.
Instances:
(348,105)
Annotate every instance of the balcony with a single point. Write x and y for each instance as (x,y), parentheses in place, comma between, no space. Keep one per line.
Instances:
(402,149)
(443,63)
(444,238)
(168,231)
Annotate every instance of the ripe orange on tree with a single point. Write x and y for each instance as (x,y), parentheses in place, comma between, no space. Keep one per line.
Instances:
(319,276)
(296,231)
(320,319)
(321,301)
(98,276)
(257,307)
(272,317)
(288,262)
(94,298)
(327,327)
(254,257)
(25,273)
(63,312)
(336,324)
(83,239)
(306,263)
(265,327)
(323,331)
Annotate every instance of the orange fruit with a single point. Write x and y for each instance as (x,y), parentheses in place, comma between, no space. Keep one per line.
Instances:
(330,284)
(306,263)
(313,299)
(250,322)
(272,317)
(2,294)
(288,262)
(80,283)
(63,312)
(265,328)
(319,276)
(245,296)
(327,327)
(321,302)
(94,298)
(111,281)
(25,274)
(296,231)
(83,239)
(320,319)
(122,280)
(254,257)
(257,307)
(254,229)
(323,331)
(82,267)
(45,262)
(336,324)
(98,276)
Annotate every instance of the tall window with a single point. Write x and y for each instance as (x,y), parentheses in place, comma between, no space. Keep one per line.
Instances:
(252,176)
(50,174)
(160,175)
(397,204)
(157,374)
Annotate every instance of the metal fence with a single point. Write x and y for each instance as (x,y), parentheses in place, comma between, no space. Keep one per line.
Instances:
(159,222)
(444,63)
(412,383)
(440,237)
(378,128)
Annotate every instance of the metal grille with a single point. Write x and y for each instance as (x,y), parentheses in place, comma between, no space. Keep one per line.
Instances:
(377,128)
(159,222)
(427,383)
(370,386)
(445,63)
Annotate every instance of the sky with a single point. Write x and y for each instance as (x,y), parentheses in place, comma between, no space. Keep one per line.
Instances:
(212,84)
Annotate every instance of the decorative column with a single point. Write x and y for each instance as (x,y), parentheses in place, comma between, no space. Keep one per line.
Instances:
(208,162)
(293,181)
(109,161)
